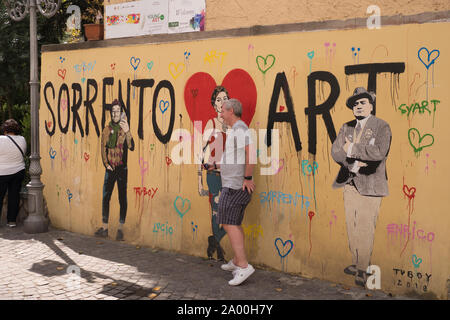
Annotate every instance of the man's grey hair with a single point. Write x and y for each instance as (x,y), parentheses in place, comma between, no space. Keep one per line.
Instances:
(235,105)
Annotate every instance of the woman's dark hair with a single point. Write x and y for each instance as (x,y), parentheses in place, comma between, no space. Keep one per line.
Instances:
(216,91)
(10,126)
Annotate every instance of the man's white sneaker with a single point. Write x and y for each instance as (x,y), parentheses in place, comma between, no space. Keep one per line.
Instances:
(241,274)
(230,266)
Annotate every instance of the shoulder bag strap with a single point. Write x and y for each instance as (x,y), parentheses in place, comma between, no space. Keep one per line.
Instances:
(16,145)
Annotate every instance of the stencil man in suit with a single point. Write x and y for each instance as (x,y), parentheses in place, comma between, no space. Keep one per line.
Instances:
(361,149)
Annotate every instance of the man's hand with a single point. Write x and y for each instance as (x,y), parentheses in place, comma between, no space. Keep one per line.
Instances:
(109,168)
(124,124)
(249,185)
(346,145)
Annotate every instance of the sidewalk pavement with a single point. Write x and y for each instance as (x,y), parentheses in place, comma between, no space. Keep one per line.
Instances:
(39,267)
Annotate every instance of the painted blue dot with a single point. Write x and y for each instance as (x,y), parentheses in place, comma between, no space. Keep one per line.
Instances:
(359,49)
(353,48)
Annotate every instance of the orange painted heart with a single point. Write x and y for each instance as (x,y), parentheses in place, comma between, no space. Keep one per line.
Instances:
(62,73)
(409,192)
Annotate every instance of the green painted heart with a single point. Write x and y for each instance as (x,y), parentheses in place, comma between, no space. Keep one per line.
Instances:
(264,64)
(419,142)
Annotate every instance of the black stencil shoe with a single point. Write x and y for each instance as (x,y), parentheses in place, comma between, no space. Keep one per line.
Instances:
(361,278)
(212,246)
(220,253)
(119,236)
(351,270)
(103,233)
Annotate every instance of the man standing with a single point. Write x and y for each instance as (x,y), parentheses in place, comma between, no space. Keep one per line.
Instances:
(361,149)
(237,185)
(116,140)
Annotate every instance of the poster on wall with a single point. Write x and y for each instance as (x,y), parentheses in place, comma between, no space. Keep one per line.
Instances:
(135,18)
(186,16)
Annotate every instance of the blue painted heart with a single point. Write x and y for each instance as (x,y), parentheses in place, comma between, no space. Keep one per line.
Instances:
(135,62)
(52,153)
(83,80)
(285,247)
(430,57)
(164,107)
(150,66)
(311,54)
(184,209)
(416,261)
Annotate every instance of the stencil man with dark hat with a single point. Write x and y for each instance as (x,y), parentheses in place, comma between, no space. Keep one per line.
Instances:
(361,149)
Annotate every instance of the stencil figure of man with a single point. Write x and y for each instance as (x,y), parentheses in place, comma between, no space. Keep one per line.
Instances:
(116,140)
(361,149)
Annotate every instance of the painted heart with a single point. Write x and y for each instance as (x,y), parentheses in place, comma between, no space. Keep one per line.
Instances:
(176,69)
(164,107)
(135,62)
(64,153)
(64,104)
(113,66)
(52,153)
(86,157)
(277,165)
(62,73)
(150,66)
(168,161)
(326,44)
(429,57)
(416,261)
(419,142)
(194,92)
(409,192)
(143,164)
(76,141)
(239,85)
(83,80)
(311,215)
(282,108)
(285,247)
(310,54)
(185,206)
(264,64)
(49,124)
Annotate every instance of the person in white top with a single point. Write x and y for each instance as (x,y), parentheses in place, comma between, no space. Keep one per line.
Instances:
(12,167)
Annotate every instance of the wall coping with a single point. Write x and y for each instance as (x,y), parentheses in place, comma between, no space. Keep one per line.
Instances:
(426,17)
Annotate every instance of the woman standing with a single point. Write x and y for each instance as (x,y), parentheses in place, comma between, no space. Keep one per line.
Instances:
(12,167)
(213,180)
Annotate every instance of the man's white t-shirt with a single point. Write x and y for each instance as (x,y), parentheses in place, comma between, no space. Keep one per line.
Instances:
(11,160)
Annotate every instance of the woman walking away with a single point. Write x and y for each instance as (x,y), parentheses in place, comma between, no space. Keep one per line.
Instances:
(12,167)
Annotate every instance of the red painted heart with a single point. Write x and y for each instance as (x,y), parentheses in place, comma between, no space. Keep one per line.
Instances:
(311,215)
(168,161)
(86,156)
(200,86)
(409,192)
(62,73)
(49,124)
(282,108)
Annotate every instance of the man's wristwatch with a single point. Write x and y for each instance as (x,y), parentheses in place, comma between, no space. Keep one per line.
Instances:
(248,178)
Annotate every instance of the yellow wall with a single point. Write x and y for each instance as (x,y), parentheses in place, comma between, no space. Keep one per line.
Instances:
(72,165)
(222,15)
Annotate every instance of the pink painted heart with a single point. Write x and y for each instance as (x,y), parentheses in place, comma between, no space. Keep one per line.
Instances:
(64,153)
(277,165)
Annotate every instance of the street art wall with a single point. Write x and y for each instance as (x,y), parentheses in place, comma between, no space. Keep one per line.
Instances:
(141,164)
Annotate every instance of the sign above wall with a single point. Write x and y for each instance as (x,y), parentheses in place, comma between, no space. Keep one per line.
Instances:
(138,18)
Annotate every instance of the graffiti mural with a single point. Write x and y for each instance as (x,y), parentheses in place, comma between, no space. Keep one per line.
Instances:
(148,113)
